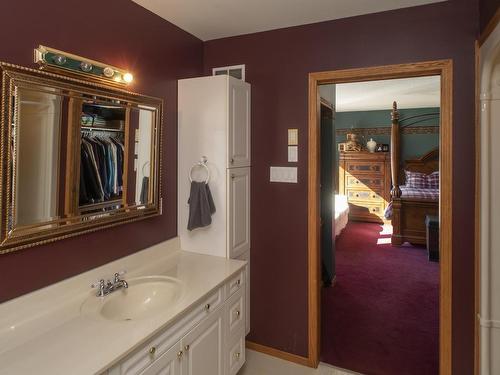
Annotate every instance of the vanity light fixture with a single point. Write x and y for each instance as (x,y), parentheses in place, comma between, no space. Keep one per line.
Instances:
(55,60)
(128,77)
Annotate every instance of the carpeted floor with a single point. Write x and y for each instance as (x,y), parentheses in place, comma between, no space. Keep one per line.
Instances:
(382,316)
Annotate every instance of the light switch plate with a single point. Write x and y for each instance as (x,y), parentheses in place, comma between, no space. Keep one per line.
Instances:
(293,154)
(293,137)
(283,174)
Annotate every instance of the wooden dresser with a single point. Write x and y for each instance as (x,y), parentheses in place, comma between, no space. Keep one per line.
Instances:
(364,177)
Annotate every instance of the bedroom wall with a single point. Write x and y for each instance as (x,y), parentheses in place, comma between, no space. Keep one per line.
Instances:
(412,145)
(125,35)
(278,63)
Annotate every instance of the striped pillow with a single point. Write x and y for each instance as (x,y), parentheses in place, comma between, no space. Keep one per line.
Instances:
(416,180)
(433,180)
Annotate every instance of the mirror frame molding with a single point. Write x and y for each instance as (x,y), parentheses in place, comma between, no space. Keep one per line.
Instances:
(9,74)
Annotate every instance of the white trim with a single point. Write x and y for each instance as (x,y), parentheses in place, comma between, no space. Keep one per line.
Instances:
(227,68)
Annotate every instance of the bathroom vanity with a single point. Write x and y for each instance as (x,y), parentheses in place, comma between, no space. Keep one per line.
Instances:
(182,313)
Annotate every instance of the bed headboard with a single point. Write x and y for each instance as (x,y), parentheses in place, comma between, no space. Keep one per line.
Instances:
(427,164)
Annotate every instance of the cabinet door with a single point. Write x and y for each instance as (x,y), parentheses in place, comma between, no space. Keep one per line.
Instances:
(238,206)
(168,363)
(202,348)
(238,142)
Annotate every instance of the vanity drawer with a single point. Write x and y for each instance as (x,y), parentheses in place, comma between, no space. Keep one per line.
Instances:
(154,348)
(236,283)
(235,310)
(235,353)
(360,167)
(365,181)
(364,195)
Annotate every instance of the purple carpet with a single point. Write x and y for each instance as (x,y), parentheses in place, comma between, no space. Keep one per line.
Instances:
(382,315)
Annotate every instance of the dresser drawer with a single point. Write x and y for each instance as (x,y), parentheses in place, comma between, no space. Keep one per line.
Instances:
(365,181)
(362,167)
(155,347)
(364,195)
(235,310)
(366,209)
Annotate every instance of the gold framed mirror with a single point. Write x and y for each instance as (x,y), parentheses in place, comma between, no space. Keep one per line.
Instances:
(77,155)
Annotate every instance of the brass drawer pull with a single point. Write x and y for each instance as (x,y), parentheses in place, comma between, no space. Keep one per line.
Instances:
(207,307)
(152,350)
(179,354)
(186,348)
(238,313)
(237,355)
(237,283)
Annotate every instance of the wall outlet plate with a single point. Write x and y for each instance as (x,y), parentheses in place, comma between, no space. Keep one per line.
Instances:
(283,174)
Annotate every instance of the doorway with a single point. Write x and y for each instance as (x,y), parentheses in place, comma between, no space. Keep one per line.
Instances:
(444,70)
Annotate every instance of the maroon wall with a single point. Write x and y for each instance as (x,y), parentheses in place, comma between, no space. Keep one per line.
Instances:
(123,34)
(487,9)
(278,63)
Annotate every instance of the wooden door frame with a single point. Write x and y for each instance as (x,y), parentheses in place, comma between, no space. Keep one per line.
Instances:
(443,68)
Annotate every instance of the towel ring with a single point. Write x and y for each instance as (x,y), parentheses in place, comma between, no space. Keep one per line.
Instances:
(201,163)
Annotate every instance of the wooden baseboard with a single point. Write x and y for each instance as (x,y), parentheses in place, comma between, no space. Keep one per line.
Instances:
(278,353)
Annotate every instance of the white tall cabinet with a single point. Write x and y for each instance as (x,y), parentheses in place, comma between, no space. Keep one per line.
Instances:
(214,122)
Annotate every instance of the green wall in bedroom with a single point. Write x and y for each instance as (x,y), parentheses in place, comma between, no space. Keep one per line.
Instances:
(412,145)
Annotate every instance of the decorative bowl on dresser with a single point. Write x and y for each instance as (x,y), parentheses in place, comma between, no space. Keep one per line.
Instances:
(364,177)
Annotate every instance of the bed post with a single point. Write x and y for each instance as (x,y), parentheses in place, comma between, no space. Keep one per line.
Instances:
(395,191)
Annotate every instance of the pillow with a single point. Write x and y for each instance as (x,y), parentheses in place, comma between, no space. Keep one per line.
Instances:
(433,180)
(416,180)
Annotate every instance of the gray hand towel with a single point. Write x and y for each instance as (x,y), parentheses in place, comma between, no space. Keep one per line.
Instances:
(201,206)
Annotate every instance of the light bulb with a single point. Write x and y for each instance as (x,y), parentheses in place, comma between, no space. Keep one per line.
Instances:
(127,77)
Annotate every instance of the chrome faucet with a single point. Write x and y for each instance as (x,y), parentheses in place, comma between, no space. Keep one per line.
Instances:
(106,287)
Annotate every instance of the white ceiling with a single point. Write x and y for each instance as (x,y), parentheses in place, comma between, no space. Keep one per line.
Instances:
(213,19)
(420,92)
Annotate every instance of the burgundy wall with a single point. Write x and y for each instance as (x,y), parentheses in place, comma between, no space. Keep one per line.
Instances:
(278,63)
(123,34)
(487,9)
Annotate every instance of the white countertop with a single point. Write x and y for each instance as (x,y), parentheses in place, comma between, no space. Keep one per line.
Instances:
(44,333)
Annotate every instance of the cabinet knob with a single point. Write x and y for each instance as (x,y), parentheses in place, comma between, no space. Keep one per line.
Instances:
(152,350)
(237,355)
(237,312)
(233,176)
(207,307)
(186,348)
(232,161)
(179,354)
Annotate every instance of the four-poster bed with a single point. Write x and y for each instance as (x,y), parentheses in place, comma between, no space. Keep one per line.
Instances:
(411,204)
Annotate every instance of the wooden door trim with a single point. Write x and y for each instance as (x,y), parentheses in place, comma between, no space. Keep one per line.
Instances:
(443,68)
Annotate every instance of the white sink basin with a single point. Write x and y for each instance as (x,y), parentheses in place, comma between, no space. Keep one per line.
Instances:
(145,297)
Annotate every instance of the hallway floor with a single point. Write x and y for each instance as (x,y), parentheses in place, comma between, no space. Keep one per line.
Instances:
(382,315)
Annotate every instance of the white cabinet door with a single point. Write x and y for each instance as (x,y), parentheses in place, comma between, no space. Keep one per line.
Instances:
(238,141)
(238,206)
(168,364)
(202,348)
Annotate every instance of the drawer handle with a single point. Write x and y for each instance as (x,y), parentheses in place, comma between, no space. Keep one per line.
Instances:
(186,348)
(374,196)
(232,161)
(179,354)
(237,312)
(152,350)
(237,355)
(233,176)
(357,195)
(237,283)
(207,307)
